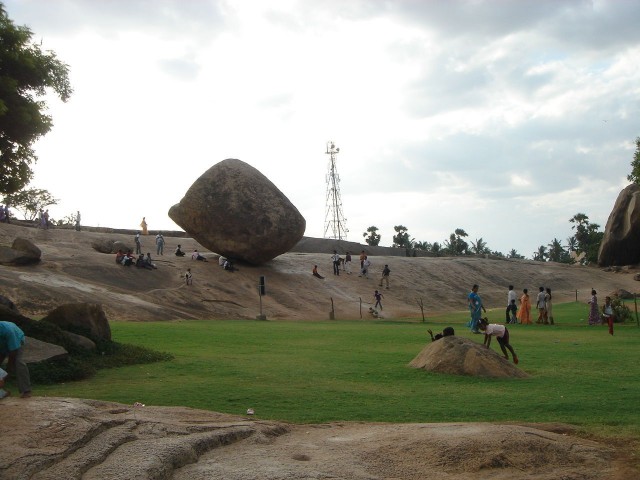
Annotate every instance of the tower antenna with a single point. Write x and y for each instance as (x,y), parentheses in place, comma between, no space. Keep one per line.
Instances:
(335,225)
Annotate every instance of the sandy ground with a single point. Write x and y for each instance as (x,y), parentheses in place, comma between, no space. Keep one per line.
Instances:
(72,271)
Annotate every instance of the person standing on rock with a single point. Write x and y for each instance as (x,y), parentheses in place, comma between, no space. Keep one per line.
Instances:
(385,276)
(11,347)
(159,244)
(78,221)
(188,277)
(502,335)
(143,226)
(347,263)
(335,258)
(138,244)
(363,257)
(475,308)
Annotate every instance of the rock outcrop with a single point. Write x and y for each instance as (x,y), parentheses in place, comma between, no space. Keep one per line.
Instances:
(460,356)
(81,317)
(621,242)
(235,211)
(21,252)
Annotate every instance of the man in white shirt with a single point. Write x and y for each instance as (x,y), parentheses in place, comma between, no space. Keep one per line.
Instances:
(511,302)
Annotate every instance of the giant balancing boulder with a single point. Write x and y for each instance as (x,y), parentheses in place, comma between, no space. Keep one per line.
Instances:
(234,210)
(621,242)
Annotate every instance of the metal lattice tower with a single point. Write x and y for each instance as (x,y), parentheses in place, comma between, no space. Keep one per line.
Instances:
(335,225)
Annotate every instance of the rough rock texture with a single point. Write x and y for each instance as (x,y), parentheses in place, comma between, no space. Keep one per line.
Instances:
(37,351)
(79,340)
(234,210)
(88,317)
(461,356)
(22,252)
(7,302)
(621,242)
(72,439)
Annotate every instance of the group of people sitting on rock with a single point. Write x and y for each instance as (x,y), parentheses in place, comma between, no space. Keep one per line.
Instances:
(127,259)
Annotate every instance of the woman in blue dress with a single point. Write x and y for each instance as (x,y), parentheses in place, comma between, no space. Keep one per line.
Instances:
(476,308)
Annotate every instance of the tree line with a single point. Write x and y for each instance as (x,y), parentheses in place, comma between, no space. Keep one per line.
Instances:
(581,247)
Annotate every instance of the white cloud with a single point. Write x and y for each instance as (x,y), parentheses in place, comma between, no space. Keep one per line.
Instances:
(492,117)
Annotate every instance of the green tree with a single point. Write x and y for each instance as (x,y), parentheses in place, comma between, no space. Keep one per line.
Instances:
(540,255)
(26,74)
(426,246)
(557,253)
(588,237)
(401,238)
(479,247)
(436,249)
(514,254)
(372,237)
(634,176)
(29,202)
(456,245)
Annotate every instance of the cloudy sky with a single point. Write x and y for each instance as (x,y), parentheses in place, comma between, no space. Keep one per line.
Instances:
(504,118)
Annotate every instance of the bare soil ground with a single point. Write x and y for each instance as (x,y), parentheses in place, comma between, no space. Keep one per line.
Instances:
(71,438)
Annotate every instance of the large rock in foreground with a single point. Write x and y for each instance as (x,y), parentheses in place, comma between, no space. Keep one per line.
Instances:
(234,210)
(621,242)
(460,356)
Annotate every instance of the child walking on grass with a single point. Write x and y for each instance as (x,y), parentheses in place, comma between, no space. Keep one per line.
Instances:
(502,335)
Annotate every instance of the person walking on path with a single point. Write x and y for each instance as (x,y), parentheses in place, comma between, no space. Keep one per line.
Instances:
(143,226)
(385,276)
(138,244)
(524,314)
(335,258)
(11,347)
(511,305)
(594,312)
(347,263)
(378,296)
(159,244)
(475,308)
(541,305)
(502,335)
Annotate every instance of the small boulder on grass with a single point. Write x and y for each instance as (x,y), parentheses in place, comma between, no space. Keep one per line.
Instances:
(461,356)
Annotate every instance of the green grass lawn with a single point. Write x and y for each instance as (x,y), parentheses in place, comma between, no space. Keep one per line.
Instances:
(332,370)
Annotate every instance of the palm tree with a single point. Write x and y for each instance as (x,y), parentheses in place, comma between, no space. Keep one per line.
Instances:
(479,246)
(514,254)
(572,244)
(556,251)
(541,254)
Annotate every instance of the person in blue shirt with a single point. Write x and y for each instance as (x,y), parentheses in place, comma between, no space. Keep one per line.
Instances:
(475,308)
(11,347)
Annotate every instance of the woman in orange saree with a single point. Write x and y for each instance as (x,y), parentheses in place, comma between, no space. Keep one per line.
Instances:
(524,312)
